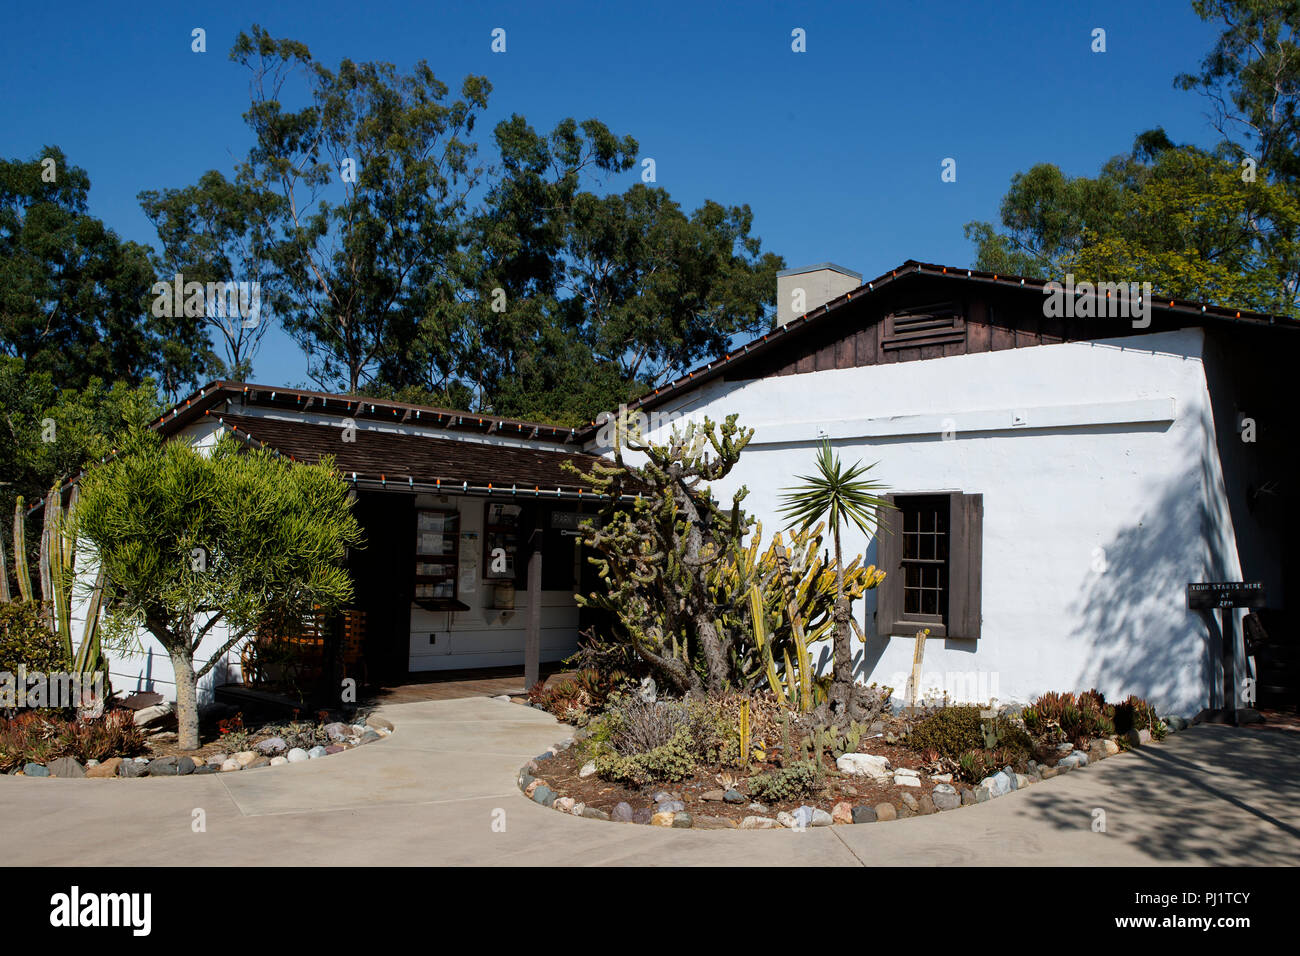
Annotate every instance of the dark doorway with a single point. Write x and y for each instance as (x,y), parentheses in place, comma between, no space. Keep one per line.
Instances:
(382,574)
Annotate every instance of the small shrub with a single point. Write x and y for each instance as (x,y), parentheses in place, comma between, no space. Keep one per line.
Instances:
(952,731)
(974,765)
(24,639)
(113,735)
(40,738)
(1136,714)
(670,761)
(575,699)
(789,782)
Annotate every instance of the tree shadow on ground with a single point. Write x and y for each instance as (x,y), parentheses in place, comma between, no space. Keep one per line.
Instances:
(1209,795)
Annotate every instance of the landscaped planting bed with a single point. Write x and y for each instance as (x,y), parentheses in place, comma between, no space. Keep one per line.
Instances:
(128,743)
(911,763)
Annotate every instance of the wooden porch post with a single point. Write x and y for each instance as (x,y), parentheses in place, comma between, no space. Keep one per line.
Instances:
(533,632)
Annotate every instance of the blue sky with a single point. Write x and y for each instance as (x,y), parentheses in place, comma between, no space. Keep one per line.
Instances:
(836,150)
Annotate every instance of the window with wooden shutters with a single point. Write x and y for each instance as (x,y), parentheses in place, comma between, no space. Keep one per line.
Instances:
(930,548)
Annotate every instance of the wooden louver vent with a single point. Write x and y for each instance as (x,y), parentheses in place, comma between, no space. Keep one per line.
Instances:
(936,324)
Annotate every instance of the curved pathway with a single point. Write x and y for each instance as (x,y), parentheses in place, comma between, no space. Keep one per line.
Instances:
(429,795)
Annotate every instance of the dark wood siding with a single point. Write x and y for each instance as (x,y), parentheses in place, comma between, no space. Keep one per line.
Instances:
(863,333)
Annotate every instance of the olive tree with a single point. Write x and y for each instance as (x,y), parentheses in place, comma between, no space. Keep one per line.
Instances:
(190,542)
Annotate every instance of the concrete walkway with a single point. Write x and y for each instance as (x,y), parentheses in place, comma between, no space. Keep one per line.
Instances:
(428,794)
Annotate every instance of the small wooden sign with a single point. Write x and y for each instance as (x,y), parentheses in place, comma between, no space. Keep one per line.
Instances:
(1209,595)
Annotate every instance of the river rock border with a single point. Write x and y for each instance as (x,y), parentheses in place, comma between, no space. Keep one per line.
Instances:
(669,811)
(272,752)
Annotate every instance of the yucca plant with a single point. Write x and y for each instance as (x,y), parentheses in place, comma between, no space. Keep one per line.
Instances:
(838,496)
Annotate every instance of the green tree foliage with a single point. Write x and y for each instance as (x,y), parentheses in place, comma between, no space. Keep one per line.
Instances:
(1220,225)
(219,231)
(48,432)
(73,296)
(374,173)
(1251,78)
(188,542)
(1178,217)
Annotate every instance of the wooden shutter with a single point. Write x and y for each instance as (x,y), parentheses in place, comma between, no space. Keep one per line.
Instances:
(965,565)
(889,558)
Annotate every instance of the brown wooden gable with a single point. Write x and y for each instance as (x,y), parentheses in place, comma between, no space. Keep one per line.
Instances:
(929,317)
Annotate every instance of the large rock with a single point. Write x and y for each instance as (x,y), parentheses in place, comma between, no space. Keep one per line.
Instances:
(910,801)
(906,780)
(886,812)
(336,731)
(164,767)
(544,795)
(998,784)
(863,765)
(713,796)
(35,770)
(789,821)
(244,757)
(683,821)
(185,766)
(258,762)
(1069,762)
(379,723)
(272,746)
(663,818)
(925,805)
(670,806)
(758,823)
(317,752)
(594,813)
(864,814)
(1138,738)
(588,769)
(842,812)
(622,813)
(1176,723)
(105,768)
(1102,748)
(734,797)
(279,761)
(714,823)
(153,716)
(65,767)
(564,804)
(132,768)
(231,765)
(945,797)
(297,755)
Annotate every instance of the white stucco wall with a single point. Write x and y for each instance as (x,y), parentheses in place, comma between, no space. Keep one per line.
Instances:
(1096,462)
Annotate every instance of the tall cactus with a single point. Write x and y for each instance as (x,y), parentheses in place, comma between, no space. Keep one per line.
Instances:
(58,542)
(757,617)
(89,655)
(21,570)
(5,596)
(744,732)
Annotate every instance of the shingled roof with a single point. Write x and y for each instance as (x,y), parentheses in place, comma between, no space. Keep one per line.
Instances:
(422,462)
